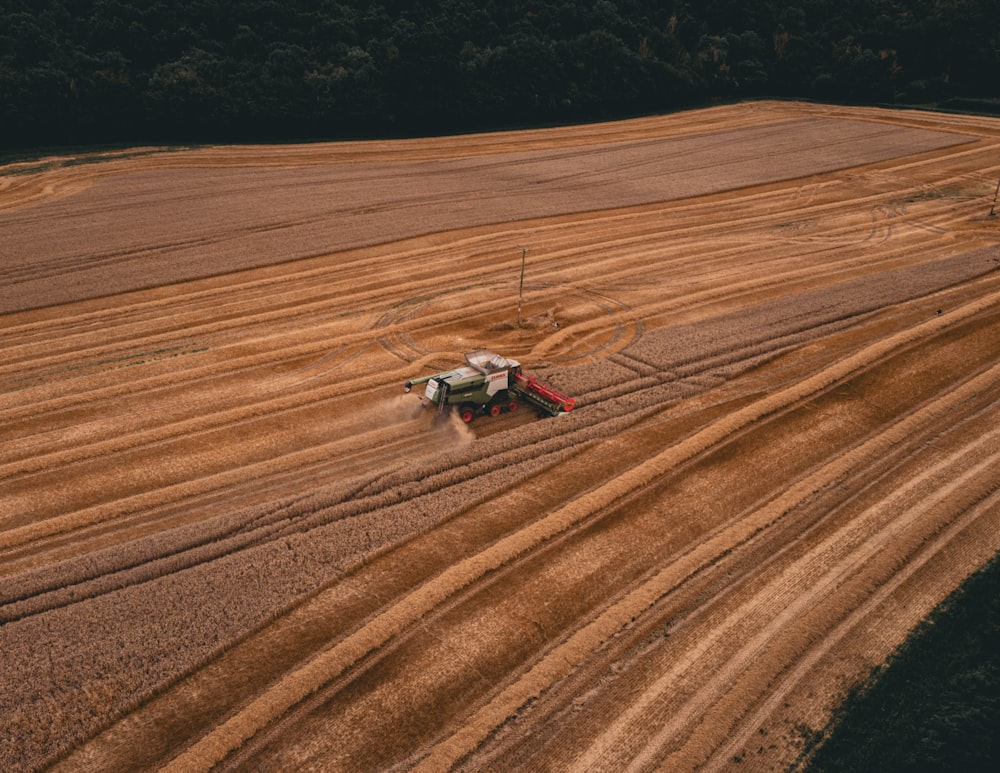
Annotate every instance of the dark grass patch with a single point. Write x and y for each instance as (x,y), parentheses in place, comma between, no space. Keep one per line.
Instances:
(935,705)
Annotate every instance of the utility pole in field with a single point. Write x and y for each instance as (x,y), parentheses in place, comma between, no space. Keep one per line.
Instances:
(520,289)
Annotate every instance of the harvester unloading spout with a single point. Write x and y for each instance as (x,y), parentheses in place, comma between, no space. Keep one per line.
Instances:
(492,384)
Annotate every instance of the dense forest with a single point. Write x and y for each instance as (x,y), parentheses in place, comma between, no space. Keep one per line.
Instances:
(76,71)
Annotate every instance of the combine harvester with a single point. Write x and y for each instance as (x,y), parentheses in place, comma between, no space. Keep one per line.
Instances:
(489,384)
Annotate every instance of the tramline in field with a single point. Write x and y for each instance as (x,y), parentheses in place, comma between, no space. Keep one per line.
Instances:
(489,384)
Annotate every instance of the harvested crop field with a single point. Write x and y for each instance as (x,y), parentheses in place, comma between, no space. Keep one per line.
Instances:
(228,540)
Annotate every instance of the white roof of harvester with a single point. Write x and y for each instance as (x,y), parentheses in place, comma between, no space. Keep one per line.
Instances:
(485,361)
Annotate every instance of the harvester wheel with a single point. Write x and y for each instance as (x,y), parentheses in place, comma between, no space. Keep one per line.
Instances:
(467,414)
(495,410)
(512,406)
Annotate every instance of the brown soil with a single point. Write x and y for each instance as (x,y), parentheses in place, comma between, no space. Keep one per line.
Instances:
(227,540)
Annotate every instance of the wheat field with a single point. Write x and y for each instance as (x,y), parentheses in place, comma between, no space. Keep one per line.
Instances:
(228,540)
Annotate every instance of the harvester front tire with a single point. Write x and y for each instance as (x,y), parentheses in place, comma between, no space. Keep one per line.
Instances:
(495,410)
(467,414)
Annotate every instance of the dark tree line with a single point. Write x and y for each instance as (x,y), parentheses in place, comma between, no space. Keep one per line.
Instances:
(80,71)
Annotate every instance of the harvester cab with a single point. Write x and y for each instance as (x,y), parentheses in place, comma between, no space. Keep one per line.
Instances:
(488,384)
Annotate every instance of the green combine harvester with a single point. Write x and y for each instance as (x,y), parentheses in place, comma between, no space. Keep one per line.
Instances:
(489,384)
